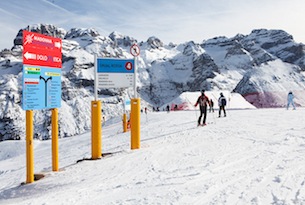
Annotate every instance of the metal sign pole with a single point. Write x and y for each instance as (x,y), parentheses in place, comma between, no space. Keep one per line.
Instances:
(135,108)
(135,77)
(96,116)
(95,77)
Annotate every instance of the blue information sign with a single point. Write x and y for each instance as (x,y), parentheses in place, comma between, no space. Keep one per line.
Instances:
(41,87)
(108,65)
(115,73)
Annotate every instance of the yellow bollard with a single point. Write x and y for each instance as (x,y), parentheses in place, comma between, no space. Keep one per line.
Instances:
(55,139)
(125,123)
(96,129)
(29,147)
(135,123)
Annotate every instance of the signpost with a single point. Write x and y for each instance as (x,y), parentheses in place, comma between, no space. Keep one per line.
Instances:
(42,62)
(135,105)
(41,71)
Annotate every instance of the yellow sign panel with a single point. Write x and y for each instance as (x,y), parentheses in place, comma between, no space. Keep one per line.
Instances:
(52,74)
(32,69)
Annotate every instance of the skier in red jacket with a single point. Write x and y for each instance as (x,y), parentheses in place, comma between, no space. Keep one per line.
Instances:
(203,102)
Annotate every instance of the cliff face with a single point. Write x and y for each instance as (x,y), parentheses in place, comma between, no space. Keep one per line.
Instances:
(262,66)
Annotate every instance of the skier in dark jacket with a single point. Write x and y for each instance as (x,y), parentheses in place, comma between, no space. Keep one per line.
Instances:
(203,102)
(222,102)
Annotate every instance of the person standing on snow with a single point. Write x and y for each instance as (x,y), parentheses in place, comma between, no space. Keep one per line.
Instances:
(203,102)
(222,102)
(211,105)
(167,108)
(290,100)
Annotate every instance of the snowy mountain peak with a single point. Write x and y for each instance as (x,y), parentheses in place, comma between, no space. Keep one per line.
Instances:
(154,42)
(265,61)
(81,32)
(122,40)
(45,29)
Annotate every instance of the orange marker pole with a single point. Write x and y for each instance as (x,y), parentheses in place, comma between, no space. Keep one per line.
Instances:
(125,123)
(55,139)
(29,147)
(96,129)
(135,123)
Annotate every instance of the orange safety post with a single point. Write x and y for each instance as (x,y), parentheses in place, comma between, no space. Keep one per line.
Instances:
(125,129)
(96,129)
(55,139)
(135,123)
(29,147)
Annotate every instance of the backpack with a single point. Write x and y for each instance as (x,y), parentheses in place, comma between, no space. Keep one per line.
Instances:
(223,102)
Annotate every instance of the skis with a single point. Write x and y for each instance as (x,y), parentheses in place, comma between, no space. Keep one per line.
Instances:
(204,125)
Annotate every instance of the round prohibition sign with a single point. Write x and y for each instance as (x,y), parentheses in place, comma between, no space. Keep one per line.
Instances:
(135,50)
(128,66)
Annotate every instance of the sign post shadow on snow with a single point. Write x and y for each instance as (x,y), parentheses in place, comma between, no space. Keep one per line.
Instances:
(41,86)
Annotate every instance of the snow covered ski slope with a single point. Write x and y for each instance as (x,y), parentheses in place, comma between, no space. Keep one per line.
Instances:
(249,157)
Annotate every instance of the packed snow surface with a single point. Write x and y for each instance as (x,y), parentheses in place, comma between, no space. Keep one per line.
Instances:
(252,156)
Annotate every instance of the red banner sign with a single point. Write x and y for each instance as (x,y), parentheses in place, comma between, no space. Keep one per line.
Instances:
(41,57)
(41,50)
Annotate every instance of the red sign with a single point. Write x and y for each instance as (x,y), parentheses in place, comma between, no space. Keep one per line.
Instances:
(41,41)
(135,50)
(41,50)
(128,66)
(41,57)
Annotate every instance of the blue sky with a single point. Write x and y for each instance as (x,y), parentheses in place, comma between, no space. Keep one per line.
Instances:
(171,21)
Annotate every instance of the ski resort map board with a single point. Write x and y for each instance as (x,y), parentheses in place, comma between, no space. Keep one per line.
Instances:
(41,71)
(115,73)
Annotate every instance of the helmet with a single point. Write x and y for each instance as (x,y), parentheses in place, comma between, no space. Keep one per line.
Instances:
(202,91)
(221,94)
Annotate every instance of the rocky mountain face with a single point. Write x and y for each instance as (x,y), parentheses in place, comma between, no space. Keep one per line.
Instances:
(262,66)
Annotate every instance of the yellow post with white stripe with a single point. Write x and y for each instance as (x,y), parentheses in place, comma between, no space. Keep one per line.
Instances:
(96,129)
(55,139)
(135,123)
(29,147)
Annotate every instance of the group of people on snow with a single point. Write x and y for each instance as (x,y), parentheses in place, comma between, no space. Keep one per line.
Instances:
(203,102)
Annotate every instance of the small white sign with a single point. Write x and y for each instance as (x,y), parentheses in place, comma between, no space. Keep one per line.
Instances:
(115,80)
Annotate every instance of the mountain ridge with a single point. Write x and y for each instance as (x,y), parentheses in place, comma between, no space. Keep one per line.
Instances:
(164,72)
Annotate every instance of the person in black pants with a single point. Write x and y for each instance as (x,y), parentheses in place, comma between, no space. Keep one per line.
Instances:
(203,102)
(222,102)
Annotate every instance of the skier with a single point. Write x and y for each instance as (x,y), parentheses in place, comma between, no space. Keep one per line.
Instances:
(211,105)
(203,102)
(167,108)
(222,102)
(290,100)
